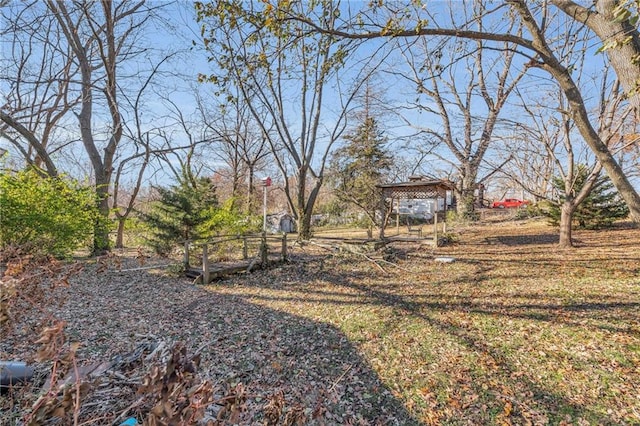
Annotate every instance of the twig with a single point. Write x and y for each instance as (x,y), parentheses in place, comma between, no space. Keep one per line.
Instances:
(395,264)
(201,348)
(323,246)
(76,409)
(374,262)
(340,378)
(129,408)
(97,419)
(144,268)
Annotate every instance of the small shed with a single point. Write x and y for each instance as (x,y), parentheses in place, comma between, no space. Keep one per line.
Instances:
(281,222)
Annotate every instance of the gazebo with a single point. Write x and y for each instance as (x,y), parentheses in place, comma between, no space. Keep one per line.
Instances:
(418,187)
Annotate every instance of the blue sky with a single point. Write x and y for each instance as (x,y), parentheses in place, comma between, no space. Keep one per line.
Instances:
(181,72)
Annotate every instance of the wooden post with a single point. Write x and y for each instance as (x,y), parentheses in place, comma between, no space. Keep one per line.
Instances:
(185,259)
(205,264)
(264,254)
(435,225)
(397,216)
(245,254)
(284,247)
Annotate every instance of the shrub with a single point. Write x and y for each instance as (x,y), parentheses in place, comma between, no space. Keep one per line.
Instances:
(45,215)
(453,217)
(190,211)
(530,211)
(228,220)
(179,213)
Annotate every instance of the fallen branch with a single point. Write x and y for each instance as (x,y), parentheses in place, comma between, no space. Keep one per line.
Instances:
(340,378)
(129,408)
(252,264)
(144,268)
(374,261)
(323,246)
(394,264)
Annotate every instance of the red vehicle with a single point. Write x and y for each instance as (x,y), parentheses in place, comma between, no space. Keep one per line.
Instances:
(509,203)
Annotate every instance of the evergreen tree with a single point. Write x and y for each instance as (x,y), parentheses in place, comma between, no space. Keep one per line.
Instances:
(361,164)
(181,213)
(599,210)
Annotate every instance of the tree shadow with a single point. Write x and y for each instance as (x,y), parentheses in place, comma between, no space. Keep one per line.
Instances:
(522,240)
(611,315)
(319,373)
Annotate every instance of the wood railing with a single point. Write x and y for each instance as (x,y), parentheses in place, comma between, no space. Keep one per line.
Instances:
(229,254)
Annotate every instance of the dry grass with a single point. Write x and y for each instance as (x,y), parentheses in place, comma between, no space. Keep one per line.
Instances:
(515,331)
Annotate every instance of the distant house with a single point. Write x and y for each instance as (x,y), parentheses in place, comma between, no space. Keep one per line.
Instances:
(281,222)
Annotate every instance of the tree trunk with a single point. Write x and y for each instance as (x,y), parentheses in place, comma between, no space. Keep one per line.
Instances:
(465,194)
(465,206)
(120,233)
(609,29)
(605,157)
(566,219)
(304,225)
(101,243)
(250,191)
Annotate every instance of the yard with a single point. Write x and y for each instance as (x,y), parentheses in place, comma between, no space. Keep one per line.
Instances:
(514,331)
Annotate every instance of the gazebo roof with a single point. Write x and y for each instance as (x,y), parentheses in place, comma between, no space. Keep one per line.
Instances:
(417,188)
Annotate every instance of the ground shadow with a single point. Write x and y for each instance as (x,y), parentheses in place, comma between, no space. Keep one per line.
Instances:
(610,314)
(521,240)
(319,374)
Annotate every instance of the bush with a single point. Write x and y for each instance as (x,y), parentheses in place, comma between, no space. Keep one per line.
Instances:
(453,217)
(190,211)
(530,211)
(179,213)
(227,220)
(44,215)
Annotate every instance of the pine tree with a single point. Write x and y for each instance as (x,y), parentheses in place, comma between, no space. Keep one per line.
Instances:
(360,165)
(180,213)
(600,209)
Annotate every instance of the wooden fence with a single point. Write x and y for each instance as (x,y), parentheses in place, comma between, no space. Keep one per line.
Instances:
(232,254)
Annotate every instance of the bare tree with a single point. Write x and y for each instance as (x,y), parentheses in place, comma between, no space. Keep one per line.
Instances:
(528,151)
(99,36)
(559,146)
(281,76)
(146,148)
(240,144)
(467,103)
(77,84)
(36,77)
(612,26)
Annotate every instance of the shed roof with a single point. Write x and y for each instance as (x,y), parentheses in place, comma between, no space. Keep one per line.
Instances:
(417,188)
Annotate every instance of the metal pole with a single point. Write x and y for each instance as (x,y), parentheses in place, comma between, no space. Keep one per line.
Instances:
(264,209)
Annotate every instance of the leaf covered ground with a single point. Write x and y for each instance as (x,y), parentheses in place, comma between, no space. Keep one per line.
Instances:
(514,331)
